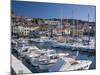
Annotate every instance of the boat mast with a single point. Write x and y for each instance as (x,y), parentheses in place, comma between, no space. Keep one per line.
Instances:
(61,21)
(89,30)
(94,19)
(72,24)
(77,30)
(67,39)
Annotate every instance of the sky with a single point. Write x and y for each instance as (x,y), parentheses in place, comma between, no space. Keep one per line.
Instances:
(53,10)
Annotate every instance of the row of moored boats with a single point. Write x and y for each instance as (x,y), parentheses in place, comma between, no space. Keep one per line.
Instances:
(49,59)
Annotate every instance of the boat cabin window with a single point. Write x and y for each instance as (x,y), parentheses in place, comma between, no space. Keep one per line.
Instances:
(25,50)
(74,63)
(42,54)
(53,57)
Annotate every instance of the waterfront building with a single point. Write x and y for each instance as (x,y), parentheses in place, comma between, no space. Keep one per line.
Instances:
(51,22)
(22,26)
